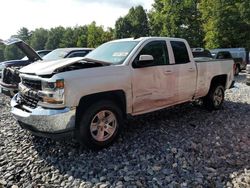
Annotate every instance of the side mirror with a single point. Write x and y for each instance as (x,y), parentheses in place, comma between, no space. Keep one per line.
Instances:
(145,61)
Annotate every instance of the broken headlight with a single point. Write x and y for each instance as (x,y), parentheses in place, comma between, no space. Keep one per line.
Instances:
(52,93)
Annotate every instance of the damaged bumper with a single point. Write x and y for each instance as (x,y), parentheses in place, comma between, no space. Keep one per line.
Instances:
(9,81)
(44,122)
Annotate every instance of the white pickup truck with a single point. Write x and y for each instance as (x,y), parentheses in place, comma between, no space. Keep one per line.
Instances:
(90,97)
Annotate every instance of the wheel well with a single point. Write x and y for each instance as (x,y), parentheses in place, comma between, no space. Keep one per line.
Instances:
(221,79)
(117,96)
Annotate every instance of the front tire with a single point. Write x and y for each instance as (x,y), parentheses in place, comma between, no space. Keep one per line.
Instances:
(100,125)
(215,97)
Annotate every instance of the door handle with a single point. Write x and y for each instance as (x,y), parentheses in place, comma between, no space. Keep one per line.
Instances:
(168,72)
(191,70)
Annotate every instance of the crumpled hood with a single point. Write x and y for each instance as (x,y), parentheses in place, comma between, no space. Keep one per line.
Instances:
(48,67)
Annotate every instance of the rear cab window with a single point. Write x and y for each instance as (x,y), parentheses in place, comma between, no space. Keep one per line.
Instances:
(180,52)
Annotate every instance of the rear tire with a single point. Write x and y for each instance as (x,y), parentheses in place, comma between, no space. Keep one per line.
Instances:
(215,97)
(100,124)
(237,70)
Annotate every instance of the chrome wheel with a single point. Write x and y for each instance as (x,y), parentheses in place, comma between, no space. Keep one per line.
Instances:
(218,96)
(103,125)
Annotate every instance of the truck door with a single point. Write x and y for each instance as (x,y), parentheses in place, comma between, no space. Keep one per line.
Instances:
(152,86)
(185,72)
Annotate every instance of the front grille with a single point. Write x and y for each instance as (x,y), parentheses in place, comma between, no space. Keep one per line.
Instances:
(29,96)
(11,76)
(28,100)
(34,84)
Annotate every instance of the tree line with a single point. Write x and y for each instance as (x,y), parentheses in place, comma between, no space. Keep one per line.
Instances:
(204,23)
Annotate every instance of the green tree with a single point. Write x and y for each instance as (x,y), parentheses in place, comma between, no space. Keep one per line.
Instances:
(177,19)
(95,35)
(108,35)
(2,52)
(24,34)
(244,9)
(69,39)
(122,28)
(55,37)
(39,38)
(226,23)
(81,34)
(12,52)
(134,24)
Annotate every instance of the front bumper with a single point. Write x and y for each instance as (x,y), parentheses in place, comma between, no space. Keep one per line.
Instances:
(44,122)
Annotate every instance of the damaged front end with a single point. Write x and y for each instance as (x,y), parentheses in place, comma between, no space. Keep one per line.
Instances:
(10,81)
(39,107)
(40,104)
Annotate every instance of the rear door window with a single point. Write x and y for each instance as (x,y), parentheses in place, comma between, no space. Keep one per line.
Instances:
(180,52)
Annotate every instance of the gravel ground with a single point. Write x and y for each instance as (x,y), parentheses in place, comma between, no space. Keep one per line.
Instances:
(184,146)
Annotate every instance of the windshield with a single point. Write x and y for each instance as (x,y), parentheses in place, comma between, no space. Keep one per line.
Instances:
(55,54)
(113,52)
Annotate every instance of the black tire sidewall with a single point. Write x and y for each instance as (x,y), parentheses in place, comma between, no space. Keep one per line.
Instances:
(216,107)
(209,99)
(83,133)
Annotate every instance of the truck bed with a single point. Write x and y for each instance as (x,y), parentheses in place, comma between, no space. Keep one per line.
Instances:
(207,68)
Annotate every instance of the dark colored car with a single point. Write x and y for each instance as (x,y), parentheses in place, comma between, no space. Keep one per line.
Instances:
(228,55)
(239,54)
(10,72)
(201,53)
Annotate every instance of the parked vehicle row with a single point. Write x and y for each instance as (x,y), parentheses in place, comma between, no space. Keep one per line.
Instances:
(201,53)
(10,69)
(241,55)
(89,97)
(239,63)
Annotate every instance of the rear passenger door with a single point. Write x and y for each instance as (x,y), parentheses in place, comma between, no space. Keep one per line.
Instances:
(185,72)
(152,85)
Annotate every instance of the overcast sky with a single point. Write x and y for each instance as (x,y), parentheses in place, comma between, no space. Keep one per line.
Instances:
(32,14)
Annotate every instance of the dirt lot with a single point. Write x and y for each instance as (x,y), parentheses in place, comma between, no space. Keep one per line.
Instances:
(185,146)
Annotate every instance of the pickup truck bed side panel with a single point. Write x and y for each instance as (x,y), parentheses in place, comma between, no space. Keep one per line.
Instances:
(107,78)
(208,70)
